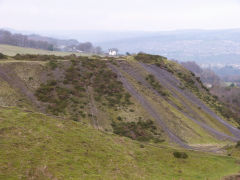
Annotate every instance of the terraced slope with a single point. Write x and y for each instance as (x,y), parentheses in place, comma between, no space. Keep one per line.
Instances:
(117,95)
(162,75)
(176,102)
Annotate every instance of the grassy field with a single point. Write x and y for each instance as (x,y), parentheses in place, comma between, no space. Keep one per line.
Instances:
(13,50)
(35,146)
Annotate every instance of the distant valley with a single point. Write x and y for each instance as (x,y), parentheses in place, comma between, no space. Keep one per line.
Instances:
(202,46)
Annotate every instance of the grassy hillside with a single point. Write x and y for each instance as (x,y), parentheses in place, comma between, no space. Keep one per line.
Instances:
(35,146)
(13,50)
(121,118)
(117,94)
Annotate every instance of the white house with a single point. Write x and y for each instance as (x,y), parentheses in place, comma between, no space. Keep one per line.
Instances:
(113,52)
(208,85)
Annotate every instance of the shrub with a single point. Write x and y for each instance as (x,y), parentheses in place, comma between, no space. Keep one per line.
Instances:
(155,85)
(181,155)
(148,58)
(79,74)
(141,130)
(2,56)
(36,57)
(44,92)
(53,64)
(238,144)
(119,118)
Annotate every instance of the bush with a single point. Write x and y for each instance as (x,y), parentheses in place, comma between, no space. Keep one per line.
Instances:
(119,118)
(53,64)
(181,155)
(2,56)
(158,87)
(80,73)
(141,130)
(44,92)
(148,58)
(36,57)
(238,144)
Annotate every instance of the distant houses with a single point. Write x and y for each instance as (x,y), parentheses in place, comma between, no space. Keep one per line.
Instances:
(113,52)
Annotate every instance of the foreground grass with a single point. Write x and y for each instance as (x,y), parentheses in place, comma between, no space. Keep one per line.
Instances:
(34,146)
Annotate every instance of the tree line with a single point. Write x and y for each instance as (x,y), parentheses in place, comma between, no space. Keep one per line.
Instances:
(46,43)
(7,37)
(84,47)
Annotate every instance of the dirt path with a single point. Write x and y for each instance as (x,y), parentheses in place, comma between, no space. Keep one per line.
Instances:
(93,108)
(163,75)
(14,81)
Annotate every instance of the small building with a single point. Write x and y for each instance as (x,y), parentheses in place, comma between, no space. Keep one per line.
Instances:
(208,85)
(113,52)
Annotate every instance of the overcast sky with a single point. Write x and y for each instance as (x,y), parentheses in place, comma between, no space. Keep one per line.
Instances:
(119,15)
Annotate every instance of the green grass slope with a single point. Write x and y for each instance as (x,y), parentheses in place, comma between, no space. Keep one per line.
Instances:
(35,146)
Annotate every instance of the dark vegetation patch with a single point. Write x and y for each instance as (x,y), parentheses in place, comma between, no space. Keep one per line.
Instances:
(187,79)
(158,87)
(70,95)
(43,57)
(2,56)
(53,64)
(179,155)
(237,145)
(150,59)
(141,130)
(45,92)
(37,57)
(159,61)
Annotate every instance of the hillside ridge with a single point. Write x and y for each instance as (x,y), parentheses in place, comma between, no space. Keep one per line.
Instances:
(142,87)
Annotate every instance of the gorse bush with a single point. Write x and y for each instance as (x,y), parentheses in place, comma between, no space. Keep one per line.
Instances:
(53,64)
(2,56)
(141,130)
(238,144)
(37,57)
(70,92)
(45,92)
(148,58)
(181,155)
(158,87)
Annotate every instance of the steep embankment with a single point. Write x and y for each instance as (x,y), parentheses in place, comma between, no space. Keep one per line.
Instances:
(163,74)
(177,101)
(145,97)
